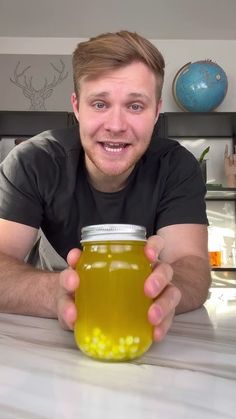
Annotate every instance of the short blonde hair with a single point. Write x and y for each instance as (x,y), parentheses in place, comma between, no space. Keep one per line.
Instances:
(111,51)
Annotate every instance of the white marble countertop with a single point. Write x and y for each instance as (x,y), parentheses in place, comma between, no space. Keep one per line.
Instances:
(192,374)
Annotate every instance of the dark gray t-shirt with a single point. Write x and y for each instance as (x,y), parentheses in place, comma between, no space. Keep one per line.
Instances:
(43,183)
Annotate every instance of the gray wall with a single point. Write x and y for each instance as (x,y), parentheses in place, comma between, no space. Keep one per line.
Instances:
(41,82)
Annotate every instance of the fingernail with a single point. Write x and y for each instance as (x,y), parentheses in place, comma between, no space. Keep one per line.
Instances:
(155,315)
(152,254)
(155,288)
(158,312)
(158,334)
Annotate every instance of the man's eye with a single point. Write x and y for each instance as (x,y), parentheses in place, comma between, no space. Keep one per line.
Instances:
(136,107)
(99,105)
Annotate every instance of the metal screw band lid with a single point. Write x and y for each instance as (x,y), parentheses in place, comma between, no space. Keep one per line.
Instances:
(113,232)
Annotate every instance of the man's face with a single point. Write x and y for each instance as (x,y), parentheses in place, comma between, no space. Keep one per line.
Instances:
(116,113)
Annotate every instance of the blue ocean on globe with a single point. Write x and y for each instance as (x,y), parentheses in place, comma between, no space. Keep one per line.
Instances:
(200,86)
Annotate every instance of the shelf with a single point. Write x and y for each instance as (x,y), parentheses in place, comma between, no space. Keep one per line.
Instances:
(200,124)
(223,268)
(27,124)
(218,194)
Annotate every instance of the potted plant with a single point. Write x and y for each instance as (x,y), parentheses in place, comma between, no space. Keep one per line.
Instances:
(202,161)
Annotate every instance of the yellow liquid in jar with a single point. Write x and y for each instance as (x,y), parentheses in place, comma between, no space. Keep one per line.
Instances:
(112,307)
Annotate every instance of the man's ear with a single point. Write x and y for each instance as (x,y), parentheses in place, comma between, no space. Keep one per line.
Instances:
(75,105)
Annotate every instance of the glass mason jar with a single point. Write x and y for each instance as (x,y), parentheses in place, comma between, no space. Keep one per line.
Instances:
(112,308)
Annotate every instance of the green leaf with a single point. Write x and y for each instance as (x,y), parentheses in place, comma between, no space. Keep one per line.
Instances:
(201,158)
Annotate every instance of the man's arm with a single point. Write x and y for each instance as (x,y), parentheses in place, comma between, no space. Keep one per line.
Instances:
(180,278)
(192,277)
(186,250)
(24,289)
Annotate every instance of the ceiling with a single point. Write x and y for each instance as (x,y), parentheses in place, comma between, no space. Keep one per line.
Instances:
(155,19)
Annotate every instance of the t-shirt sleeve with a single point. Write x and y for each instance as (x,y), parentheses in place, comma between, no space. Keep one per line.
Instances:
(22,175)
(183,198)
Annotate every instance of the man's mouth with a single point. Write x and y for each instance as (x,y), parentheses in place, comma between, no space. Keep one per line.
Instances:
(114,147)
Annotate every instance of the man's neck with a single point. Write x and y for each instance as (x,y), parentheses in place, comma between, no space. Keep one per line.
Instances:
(105,183)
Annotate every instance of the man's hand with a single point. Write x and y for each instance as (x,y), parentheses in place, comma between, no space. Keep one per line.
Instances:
(69,281)
(158,286)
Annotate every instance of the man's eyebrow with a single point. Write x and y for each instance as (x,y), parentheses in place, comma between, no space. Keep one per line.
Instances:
(136,95)
(97,95)
(132,95)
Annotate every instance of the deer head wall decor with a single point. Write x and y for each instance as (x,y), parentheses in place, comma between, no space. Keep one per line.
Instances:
(37,97)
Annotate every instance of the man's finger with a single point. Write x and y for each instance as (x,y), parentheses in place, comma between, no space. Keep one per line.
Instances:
(161,330)
(73,257)
(69,280)
(153,247)
(67,313)
(164,304)
(158,280)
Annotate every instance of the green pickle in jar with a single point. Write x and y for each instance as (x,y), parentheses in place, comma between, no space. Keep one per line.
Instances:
(112,308)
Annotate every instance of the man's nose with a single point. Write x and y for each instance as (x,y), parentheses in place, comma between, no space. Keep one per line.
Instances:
(116,120)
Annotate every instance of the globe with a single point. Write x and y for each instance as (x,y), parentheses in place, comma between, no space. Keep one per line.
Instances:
(200,86)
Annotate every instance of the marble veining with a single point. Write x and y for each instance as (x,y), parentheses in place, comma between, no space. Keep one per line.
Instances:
(192,374)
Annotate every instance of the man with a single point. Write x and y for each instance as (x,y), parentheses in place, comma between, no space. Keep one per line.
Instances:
(107,170)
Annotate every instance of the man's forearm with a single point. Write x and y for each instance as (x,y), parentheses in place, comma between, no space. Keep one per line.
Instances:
(26,290)
(192,277)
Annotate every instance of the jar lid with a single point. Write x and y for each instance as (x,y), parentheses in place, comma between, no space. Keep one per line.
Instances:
(112,232)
